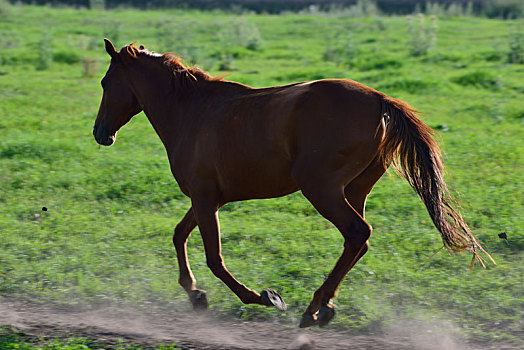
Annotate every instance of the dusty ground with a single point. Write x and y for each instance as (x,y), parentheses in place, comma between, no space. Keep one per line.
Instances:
(191,331)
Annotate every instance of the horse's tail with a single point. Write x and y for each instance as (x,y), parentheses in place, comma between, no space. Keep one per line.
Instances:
(409,145)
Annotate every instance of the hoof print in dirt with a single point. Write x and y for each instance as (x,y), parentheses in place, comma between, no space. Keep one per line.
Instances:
(199,300)
(272,298)
(304,343)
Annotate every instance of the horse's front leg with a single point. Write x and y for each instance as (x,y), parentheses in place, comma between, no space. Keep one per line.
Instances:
(206,215)
(186,278)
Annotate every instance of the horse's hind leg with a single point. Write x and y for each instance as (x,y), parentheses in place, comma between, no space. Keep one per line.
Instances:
(332,204)
(186,279)
(349,219)
(357,190)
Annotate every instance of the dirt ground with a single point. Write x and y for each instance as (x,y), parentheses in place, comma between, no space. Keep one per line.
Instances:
(188,330)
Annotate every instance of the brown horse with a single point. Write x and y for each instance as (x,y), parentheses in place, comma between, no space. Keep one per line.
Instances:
(330,139)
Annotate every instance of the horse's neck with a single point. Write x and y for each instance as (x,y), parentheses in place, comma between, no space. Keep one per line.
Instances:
(167,105)
(155,94)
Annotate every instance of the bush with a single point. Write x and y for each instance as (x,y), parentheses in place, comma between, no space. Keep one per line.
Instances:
(504,9)
(516,45)
(241,33)
(174,37)
(362,8)
(45,52)
(5,8)
(422,36)
(97,4)
(342,50)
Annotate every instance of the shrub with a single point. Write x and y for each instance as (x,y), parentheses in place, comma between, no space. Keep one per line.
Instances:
(97,4)
(504,9)
(342,50)
(241,33)
(516,45)
(5,8)
(453,9)
(361,8)
(45,52)
(422,36)
(175,37)
(226,62)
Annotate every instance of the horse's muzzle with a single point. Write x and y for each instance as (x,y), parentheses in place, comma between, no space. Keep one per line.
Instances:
(103,138)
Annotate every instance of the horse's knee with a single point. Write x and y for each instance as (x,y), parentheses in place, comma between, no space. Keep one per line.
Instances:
(179,236)
(357,235)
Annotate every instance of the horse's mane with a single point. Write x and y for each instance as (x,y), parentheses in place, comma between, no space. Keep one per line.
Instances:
(184,78)
(177,66)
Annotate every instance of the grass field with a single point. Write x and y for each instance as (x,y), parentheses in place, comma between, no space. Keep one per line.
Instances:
(106,234)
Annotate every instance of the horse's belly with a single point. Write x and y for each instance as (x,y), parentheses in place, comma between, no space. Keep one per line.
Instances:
(262,179)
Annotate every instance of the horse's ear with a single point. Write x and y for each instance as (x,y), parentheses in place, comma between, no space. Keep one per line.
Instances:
(110,48)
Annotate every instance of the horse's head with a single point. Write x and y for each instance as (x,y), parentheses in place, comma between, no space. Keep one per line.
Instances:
(119,103)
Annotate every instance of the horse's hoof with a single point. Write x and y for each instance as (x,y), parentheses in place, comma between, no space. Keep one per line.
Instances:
(271,298)
(325,314)
(199,299)
(308,321)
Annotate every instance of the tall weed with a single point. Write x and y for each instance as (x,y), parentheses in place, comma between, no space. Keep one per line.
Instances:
(240,33)
(516,45)
(45,52)
(97,4)
(504,9)
(361,8)
(175,38)
(5,8)
(435,9)
(423,36)
(343,50)
(452,10)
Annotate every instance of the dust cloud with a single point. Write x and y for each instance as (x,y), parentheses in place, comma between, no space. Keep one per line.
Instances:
(166,325)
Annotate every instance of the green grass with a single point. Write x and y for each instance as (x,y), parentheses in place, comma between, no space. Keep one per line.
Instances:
(106,236)
(15,339)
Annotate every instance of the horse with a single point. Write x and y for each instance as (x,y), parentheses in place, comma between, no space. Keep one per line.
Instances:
(331,139)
